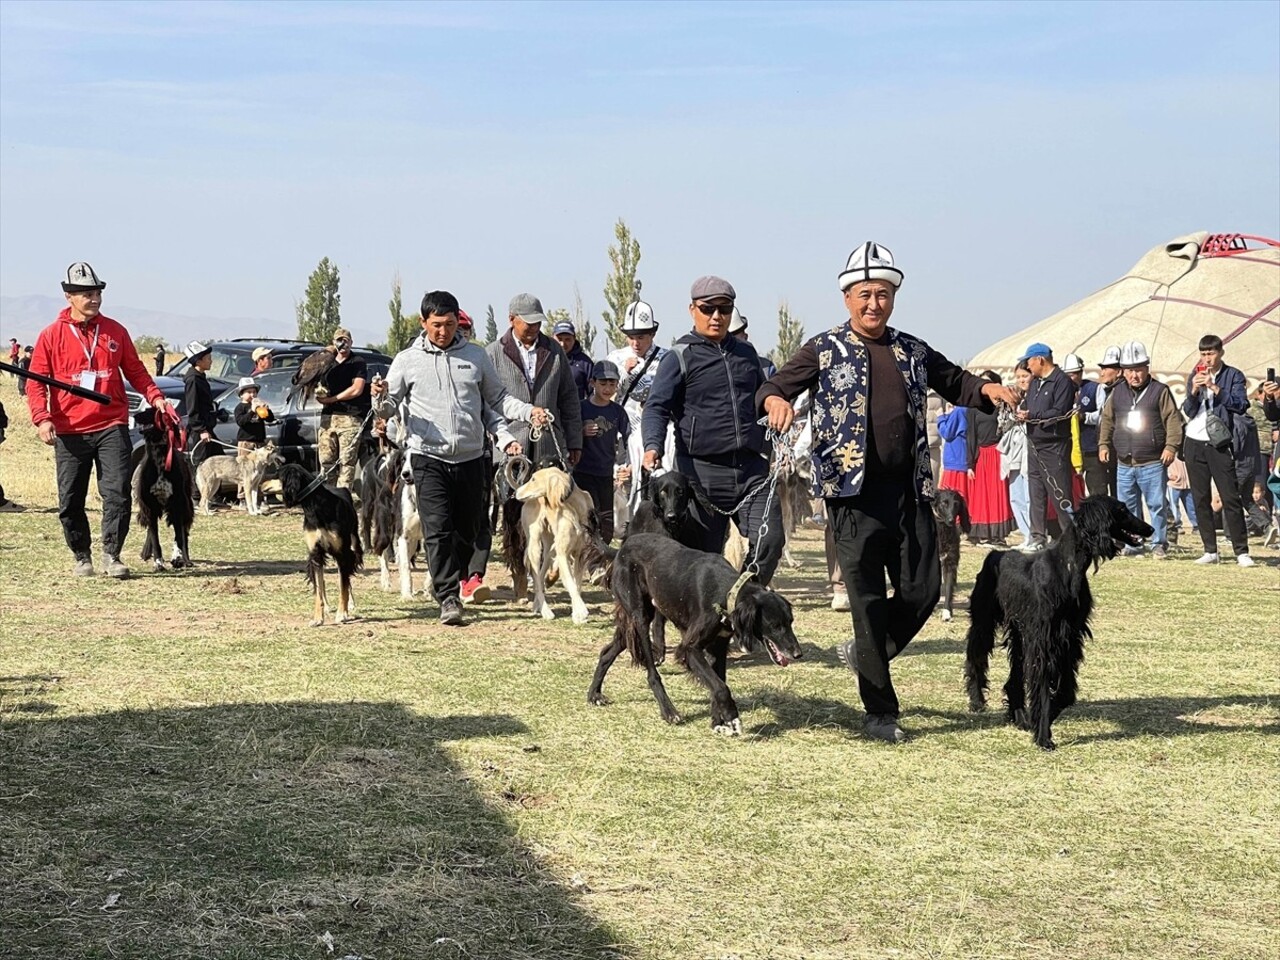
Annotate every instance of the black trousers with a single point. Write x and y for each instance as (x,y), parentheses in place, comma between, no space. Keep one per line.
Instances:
(1206,462)
(726,481)
(76,455)
(1099,477)
(601,490)
(885,531)
(1048,476)
(479,561)
(451,507)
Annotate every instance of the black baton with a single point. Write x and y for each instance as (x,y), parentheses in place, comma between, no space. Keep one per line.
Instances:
(71,388)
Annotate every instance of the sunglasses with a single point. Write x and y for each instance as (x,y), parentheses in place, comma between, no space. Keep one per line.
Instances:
(711,309)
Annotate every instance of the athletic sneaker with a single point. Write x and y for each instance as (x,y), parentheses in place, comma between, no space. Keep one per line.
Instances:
(1133,551)
(1034,546)
(840,599)
(1158,552)
(451,612)
(474,590)
(845,651)
(113,568)
(10,507)
(83,567)
(883,726)
(1208,558)
(1245,560)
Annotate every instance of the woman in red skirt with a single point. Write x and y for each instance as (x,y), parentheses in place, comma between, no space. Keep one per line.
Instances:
(988,496)
(952,426)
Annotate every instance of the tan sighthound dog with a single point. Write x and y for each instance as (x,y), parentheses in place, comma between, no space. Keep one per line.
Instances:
(247,470)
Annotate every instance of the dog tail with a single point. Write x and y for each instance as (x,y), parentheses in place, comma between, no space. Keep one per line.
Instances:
(628,630)
(598,556)
(985,618)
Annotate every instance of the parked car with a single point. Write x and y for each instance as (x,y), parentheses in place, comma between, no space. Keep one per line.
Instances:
(233,359)
(297,421)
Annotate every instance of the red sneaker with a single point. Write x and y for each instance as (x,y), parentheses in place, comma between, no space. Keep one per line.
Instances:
(473,590)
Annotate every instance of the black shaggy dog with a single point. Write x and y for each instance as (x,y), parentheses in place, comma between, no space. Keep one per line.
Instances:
(655,575)
(949,509)
(669,510)
(1043,602)
(330,526)
(162,488)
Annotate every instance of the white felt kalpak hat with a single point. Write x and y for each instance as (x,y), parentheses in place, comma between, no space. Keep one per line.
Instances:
(638,319)
(871,261)
(1134,354)
(1111,358)
(738,322)
(1072,363)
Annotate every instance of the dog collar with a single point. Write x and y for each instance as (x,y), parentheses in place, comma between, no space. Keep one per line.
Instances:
(732,600)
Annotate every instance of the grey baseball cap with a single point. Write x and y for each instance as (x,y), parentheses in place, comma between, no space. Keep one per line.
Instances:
(528,308)
(605,370)
(712,288)
(80,277)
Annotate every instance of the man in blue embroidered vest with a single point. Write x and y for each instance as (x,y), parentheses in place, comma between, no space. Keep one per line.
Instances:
(871,464)
(706,385)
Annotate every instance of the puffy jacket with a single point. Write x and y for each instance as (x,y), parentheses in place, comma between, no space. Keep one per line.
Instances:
(953,428)
(710,396)
(451,397)
(60,353)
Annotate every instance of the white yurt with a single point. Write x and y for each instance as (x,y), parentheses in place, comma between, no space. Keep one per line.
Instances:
(1227,284)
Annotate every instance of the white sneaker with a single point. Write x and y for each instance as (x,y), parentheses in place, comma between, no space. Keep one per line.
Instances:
(1208,558)
(1245,560)
(840,599)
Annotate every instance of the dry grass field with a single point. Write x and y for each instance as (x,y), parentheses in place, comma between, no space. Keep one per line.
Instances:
(188,771)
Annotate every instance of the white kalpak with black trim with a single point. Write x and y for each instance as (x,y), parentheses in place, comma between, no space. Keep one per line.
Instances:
(871,261)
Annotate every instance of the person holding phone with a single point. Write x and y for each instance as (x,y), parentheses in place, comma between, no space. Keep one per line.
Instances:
(1215,390)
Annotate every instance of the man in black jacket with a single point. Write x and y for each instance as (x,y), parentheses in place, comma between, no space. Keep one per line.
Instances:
(706,385)
(202,415)
(1050,403)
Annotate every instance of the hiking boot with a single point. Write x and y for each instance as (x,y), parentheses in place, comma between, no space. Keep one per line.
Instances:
(83,567)
(840,598)
(451,612)
(474,591)
(883,726)
(1245,560)
(845,651)
(1158,552)
(113,568)
(1208,558)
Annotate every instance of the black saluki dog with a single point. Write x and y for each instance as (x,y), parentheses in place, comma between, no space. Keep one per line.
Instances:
(669,510)
(162,488)
(1043,602)
(330,526)
(950,510)
(700,593)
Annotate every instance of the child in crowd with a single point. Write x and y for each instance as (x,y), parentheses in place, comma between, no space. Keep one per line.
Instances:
(1179,497)
(604,424)
(252,418)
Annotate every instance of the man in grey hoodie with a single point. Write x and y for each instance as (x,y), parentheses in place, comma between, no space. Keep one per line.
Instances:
(449,394)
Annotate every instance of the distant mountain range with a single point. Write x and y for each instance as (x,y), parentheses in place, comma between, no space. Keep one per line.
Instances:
(25,317)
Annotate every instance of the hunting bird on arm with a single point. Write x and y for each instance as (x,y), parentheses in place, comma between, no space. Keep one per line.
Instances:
(312,371)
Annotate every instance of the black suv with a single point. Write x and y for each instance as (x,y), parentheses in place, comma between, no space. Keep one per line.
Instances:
(297,421)
(233,359)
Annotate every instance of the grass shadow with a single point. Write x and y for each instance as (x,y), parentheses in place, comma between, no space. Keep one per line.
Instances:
(270,830)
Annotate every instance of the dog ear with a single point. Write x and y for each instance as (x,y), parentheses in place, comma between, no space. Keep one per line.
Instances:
(962,509)
(744,620)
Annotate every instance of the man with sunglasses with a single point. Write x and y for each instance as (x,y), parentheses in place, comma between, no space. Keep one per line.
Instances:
(706,386)
(346,404)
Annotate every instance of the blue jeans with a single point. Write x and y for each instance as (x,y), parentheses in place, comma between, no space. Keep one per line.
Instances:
(1020,502)
(1183,499)
(1146,483)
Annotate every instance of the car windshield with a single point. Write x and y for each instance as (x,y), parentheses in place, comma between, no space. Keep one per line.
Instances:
(273,388)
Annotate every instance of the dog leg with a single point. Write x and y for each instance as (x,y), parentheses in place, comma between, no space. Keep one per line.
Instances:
(315,572)
(566,564)
(344,597)
(1015,688)
(645,652)
(402,562)
(706,646)
(659,639)
(608,654)
(538,560)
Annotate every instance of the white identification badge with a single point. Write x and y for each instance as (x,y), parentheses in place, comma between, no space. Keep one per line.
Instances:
(1133,420)
(88,379)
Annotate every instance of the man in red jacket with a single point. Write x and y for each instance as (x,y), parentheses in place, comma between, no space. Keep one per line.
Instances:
(86,348)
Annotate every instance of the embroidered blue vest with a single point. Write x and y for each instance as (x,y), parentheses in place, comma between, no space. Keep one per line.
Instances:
(839,413)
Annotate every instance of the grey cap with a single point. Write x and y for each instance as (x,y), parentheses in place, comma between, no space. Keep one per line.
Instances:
(80,277)
(712,288)
(527,307)
(605,370)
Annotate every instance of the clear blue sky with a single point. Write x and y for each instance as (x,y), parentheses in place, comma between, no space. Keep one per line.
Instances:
(1015,157)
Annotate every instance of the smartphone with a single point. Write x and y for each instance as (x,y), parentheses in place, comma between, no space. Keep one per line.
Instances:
(1271,374)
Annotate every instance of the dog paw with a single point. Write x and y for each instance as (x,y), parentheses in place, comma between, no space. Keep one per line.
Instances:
(731,729)
(946,616)
(547,613)
(673,718)
(580,616)
(977,706)
(1020,719)
(316,623)
(597,700)
(1047,745)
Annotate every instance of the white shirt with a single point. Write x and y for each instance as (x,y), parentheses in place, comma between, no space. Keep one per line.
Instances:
(530,357)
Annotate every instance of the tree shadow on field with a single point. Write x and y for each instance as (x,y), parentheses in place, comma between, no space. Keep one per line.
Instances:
(272,831)
(1180,716)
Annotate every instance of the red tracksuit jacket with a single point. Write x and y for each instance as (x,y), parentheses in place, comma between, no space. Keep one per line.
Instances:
(64,352)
